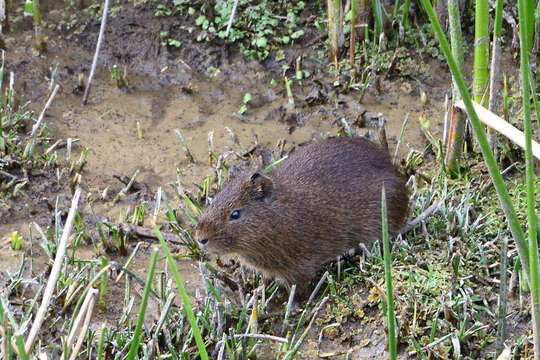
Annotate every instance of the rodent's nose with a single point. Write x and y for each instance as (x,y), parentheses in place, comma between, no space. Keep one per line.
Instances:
(203,241)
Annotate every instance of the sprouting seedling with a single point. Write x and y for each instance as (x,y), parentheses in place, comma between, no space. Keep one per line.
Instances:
(346,127)
(233,135)
(276,163)
(211,154)
(184,146)
(119,79)
(245,101)
(288,89)
(16,240)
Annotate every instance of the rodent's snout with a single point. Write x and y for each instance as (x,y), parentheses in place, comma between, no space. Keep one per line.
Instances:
(200,237)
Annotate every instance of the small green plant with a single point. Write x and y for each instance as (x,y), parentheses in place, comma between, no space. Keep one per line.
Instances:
(162,10)
(257,27)
(245,101)
(120,79)
(16,240)
(168,41)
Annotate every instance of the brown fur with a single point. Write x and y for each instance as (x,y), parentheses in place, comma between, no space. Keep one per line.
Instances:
(323,200)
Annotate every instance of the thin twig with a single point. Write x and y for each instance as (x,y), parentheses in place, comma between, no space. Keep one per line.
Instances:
(55,272)
(6,174)
(96,54)
(503,173)
(84,329)
(42,115)
(79,318)
(126,188)
(424,215)
(405,121)
(229,25)
(85,310)
(503,297)
(318,287)
(130,229)
(256,336)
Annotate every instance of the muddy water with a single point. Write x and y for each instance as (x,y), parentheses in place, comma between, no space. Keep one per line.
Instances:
(108,127)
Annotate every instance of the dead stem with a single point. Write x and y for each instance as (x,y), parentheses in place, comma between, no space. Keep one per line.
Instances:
(96,54)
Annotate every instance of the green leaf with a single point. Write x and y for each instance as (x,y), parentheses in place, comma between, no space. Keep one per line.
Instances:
(247,98)
(261,42)
(297,34)
(200,20)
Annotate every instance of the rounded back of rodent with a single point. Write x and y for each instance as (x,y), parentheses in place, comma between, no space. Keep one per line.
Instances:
(322,201)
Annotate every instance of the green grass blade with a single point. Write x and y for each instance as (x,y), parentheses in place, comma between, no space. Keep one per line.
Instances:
(392,346)
(136,342)
(20,347)
(526,36)
(185,299)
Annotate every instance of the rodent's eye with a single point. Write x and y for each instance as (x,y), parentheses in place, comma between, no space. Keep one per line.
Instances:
(235,215)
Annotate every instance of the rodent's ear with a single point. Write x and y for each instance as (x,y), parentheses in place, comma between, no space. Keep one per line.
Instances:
(233,172)
(259,186)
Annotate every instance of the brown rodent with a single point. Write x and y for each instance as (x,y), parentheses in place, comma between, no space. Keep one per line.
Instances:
(322,201)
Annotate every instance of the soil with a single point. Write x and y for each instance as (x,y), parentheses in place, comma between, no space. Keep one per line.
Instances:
(171,89)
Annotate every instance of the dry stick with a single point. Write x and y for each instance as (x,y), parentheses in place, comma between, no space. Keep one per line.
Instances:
(84,329)
(6,174)
(503,173)
(136,230)
(86,308)
(231,18)
(78,319)
(318,287)
(222,348)
(405,121)
(424,215)
(256,336)
(503,297)
(497,123)
(96,54)
(51,283)
(42,115)
(446,119)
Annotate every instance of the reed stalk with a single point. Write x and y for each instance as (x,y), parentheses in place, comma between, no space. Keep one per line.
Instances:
(38,39)
(334,29)
(495,76)
(529,20)
(525,37)
(406,7)
(481,50)
(456,131)
(354,20)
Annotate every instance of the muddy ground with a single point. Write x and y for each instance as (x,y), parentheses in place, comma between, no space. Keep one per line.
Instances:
(196,89)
